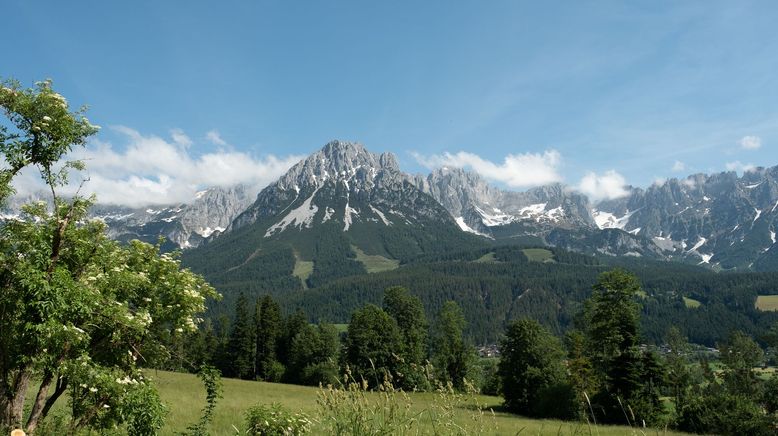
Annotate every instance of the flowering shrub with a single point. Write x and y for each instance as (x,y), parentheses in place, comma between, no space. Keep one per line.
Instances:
(274,420)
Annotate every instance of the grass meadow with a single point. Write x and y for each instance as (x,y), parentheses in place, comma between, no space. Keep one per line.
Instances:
(185,396)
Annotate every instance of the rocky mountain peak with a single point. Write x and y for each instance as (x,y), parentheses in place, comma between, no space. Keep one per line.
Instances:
(338,161)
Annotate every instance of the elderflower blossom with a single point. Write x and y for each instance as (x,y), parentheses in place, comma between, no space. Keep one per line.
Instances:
(145,318)
(127,380)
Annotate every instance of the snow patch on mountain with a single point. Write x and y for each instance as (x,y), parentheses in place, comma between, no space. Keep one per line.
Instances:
(496,219)
(327,214)
(699,244)
(607,220)
(206,232)
(380,215)
(347,220)
(465,228)
(300,216)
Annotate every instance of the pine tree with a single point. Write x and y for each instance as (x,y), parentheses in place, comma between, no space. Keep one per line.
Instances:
(292,325)
(267,319)
(624,371)
(241,342)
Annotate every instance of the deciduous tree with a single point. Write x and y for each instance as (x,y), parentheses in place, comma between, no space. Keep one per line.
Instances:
(78,312)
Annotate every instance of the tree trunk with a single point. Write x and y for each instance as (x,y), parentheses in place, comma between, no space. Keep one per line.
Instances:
(5,406)
(40,401)
(19,394)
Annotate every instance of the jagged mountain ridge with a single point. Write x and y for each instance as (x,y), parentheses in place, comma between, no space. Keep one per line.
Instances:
(553,214)
(183,225)
(721,220)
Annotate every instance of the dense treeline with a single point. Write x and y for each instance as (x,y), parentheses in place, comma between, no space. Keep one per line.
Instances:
(599,370)
(394,341)
(495,285)
(494,293)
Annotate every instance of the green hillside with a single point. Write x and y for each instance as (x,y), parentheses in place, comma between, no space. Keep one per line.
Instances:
(493,285)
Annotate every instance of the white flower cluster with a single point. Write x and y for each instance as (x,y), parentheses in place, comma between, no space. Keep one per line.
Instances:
(62,101)
(193,293)
(91,389)
(144,318)
(127,380)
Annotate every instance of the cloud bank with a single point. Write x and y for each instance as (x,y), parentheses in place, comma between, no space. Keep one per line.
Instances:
(517,170)
(607,186)
(150,170)
(739,167)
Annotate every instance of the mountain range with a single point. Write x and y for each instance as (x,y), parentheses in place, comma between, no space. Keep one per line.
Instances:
(347,209)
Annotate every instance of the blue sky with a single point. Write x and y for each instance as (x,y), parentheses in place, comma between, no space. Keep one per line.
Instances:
(638,90)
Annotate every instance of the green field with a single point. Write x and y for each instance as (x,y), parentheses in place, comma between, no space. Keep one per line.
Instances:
(302,269)
(767,303)
(691,303)
(539,255)
(375,263)
(487,258)
(185,396)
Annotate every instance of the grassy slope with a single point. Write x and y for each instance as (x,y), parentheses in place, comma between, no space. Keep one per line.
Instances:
(487,258)
(691,303)
(539,255)
(302,269)
(767,303)
(185,396)
(375,263)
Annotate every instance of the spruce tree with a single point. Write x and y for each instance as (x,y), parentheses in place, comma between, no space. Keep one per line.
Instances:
(629,379)
(241,342)
(267,319)
(291,327)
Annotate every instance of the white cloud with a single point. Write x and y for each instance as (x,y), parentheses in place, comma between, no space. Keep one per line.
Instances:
(679,166)
(149,170)
(517,170)
(750,142)
(603,187)
(215,138)
(180,138)
(739,166)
